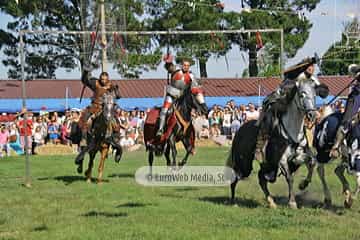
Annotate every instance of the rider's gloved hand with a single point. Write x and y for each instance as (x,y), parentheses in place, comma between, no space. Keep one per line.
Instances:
(168,58)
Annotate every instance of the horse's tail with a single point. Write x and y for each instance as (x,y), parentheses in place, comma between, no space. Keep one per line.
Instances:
(241,155)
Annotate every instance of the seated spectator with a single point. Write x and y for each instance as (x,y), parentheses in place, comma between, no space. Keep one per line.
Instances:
(127,141)
(204,133)
(14,139)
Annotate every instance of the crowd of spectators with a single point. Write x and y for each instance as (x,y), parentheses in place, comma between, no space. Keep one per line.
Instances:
(54,128)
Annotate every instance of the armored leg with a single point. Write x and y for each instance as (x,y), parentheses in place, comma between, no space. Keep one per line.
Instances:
(167,104)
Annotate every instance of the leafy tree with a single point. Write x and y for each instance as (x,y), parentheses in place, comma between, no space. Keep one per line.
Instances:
(344,52)
(262,14)
(185,16)
(205,15)
(45,53)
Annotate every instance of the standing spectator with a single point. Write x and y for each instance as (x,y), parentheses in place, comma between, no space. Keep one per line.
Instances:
(53,130)
(235,125)
(215,124)
(226,124)
(26,132)
(141,121)
(65,130)
(38,139)
(252,113)
(4,141)
(123,122)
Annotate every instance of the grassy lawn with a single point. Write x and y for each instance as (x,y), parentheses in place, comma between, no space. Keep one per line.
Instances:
(61,205)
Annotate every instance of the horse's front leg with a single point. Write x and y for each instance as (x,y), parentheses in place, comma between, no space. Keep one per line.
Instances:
(310,166)
(172,144)
(290,181)
(188,148)
(104,154)
(92,155)
(167,155)
(264,187)
(321,173)
(339,171)
(150,160)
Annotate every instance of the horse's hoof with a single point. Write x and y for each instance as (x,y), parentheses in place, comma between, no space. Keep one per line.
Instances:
(88,180)
(348,199)
(79,169)
(303,185)
(271,202)
(117,158)
(293,205)
(99,182)
(327,203)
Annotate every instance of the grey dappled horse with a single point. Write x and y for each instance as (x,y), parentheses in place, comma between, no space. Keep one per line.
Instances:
(282,149)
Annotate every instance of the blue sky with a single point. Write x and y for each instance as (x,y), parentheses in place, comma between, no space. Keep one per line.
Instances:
(328,19)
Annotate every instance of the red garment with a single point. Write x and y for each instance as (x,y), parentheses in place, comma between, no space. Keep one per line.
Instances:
(28,127)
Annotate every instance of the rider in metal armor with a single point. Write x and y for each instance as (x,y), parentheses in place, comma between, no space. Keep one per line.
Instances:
(179,81)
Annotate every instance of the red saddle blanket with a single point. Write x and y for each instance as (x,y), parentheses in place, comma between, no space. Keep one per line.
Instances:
(152,117)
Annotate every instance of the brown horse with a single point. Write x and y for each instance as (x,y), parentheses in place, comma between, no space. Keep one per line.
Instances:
(100,138)
(179,128)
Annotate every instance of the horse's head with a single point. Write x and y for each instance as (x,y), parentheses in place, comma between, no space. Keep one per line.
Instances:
(108,104)
(306,95)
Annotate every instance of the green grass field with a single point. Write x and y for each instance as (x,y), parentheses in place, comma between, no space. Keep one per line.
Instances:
(61,205)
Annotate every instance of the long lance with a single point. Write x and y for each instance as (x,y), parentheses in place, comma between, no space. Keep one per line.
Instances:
(168,53)
(342,90)
(90,57)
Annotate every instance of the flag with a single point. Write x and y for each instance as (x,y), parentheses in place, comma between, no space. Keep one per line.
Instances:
(259,43)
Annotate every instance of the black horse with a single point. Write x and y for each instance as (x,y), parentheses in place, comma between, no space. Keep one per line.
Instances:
(282,149)
(179,128)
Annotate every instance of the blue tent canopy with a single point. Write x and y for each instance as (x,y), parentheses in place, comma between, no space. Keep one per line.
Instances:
(60,104)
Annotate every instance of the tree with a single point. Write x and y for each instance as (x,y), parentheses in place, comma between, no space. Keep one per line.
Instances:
(344,52)
(185,16)
(261,14)
(205,15)
(45,53)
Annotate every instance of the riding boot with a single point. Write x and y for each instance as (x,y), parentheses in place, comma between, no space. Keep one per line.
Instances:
(340,135)
(160,131)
